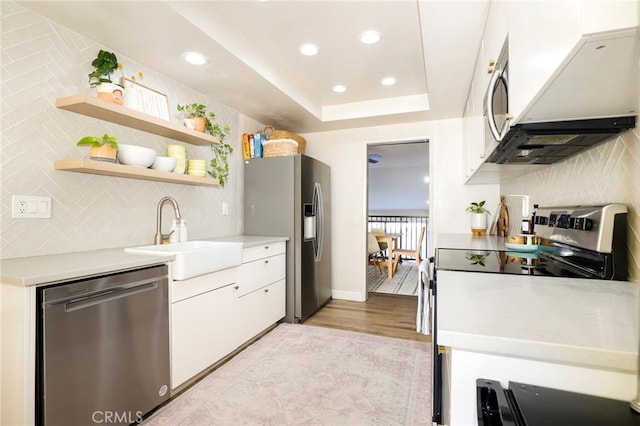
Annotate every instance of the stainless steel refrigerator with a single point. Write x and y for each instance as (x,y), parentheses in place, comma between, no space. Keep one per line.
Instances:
(291,196)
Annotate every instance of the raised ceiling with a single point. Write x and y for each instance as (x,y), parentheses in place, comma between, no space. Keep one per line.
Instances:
(255,67)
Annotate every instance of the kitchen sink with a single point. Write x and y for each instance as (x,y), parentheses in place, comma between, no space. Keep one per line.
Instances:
(195,258)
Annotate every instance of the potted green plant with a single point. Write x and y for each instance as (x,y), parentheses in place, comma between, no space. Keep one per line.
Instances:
(105,64)
(195,116)
(101,148)
(478,217)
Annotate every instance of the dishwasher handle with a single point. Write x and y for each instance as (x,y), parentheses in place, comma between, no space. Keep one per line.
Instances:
(102,296)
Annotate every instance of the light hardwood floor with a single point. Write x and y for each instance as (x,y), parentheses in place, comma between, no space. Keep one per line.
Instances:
(388,315)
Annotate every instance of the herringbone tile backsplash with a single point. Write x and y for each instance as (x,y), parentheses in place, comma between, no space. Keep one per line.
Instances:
(41,61)
(608,173)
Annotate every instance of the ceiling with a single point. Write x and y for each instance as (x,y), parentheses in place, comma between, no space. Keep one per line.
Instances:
(401,155)
(254,65)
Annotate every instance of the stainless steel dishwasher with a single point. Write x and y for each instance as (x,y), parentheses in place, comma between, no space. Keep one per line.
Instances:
(103,348)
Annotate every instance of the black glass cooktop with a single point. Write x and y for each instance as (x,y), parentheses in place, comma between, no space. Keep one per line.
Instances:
(558,263)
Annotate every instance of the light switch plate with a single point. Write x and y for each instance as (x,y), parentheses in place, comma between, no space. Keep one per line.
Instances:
(225,209)
(30,207)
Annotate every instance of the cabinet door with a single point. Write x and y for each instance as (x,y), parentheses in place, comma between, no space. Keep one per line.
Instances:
(260,309)
(202,332)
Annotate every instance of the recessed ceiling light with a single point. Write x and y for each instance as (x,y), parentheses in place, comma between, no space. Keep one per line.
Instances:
(426,179)
(195,58)
(308,49)
(339,88)
(370,37)
(388,81)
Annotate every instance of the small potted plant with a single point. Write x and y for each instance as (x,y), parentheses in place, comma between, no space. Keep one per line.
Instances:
(105,64)
(195,116)
(478,217)
(103,148)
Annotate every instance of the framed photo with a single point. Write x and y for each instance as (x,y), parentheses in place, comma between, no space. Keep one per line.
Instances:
(144,99)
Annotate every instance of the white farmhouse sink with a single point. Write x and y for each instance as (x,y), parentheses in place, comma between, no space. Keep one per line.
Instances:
(196,257)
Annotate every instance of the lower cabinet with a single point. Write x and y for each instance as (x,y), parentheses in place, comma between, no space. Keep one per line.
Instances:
(214,314)
(263,307)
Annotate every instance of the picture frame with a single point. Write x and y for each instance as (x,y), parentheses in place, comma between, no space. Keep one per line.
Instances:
(145,99)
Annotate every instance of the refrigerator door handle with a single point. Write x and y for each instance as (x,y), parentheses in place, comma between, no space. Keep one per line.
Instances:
(319,208)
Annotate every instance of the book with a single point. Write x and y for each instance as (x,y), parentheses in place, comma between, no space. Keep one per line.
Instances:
(246,147)
(252,147)
(258,139)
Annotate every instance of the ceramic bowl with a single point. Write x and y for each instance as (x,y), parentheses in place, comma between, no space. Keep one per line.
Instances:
(165,164)
(136,156)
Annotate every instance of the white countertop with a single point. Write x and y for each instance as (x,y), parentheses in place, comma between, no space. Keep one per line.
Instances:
(54,268)
(591,323)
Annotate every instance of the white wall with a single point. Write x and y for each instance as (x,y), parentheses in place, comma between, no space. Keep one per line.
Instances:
(346,152)
(42,60)
(398,189)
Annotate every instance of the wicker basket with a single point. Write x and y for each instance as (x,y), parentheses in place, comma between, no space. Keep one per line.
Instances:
(279,147)
(283,134)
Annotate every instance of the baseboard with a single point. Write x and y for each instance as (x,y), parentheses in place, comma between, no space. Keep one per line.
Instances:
(348,295)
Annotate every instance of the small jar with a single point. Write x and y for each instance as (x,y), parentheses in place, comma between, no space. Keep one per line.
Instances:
(183,232)
(174,232)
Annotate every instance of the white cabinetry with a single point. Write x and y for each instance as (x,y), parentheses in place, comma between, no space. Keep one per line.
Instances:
(214,314)
(262,287)
(201,326)
(473,132)
(572,59)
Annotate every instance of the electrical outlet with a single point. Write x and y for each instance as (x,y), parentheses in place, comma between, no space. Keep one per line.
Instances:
(30,207)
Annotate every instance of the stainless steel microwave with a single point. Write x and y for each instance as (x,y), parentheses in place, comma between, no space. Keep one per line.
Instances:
(537,143)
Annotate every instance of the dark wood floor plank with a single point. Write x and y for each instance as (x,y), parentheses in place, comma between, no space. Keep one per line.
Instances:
(386,315)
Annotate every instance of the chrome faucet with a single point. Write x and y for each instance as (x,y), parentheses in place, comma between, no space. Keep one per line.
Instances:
(160,237)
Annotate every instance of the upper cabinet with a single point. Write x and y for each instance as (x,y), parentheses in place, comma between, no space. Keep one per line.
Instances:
(568,60)
(572,60)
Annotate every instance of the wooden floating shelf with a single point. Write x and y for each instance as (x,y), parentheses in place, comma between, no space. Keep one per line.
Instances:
(83,165)
(92,106)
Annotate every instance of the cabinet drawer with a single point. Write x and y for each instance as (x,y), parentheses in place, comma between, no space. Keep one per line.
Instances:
(180,290)
(259,252)
(259,273)
(265,306)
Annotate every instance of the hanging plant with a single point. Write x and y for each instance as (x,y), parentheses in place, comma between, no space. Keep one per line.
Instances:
(220,162)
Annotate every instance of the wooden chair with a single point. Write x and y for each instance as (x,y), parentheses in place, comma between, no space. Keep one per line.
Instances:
(415,253)
(375,255)
(379,231)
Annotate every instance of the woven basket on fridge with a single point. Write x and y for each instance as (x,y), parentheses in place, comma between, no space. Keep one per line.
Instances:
(283,134)
(279,147)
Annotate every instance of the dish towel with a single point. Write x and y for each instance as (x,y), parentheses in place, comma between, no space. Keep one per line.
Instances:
(423,318)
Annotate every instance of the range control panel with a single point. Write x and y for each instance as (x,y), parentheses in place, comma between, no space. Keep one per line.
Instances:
(589,227)
(566,221)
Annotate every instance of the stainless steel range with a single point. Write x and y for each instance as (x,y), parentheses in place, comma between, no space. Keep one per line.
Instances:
(577,241)
(574,242)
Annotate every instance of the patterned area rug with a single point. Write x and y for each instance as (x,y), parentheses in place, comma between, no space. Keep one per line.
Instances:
(405,280)
(299,374)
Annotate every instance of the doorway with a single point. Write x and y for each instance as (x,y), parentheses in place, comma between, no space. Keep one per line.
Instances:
(398,208)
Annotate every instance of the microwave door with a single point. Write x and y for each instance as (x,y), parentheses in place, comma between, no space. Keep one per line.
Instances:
(497,104)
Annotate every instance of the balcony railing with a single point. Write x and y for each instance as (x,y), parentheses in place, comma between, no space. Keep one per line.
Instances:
(408,226)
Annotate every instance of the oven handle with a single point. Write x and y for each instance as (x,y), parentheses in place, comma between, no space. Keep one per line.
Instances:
(498,135)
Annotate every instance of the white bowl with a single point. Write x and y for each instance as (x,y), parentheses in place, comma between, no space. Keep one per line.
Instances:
(136,156)
(165,164)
